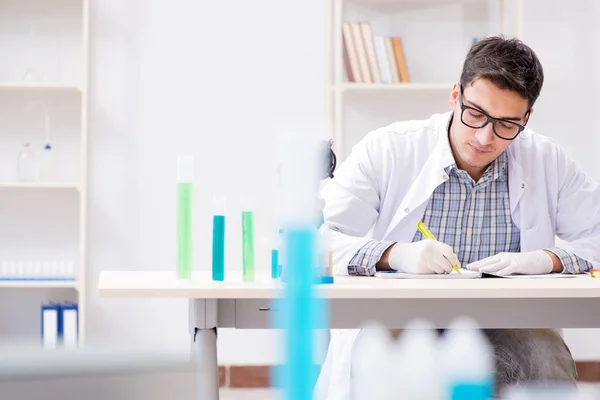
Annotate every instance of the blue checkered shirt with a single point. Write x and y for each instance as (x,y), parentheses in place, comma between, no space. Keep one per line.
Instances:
(473,218)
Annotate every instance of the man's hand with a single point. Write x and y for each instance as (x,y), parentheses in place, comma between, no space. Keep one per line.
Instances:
(530,263)
(423,257)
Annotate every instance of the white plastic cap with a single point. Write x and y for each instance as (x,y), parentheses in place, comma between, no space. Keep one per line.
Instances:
(185,169)
(546,391)
(299,179)
(219,205)
(467,353)
(415,362)
(369,357)
(325,238)
(248,203)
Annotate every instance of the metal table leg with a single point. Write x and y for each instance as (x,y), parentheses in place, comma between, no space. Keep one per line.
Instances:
(203,327)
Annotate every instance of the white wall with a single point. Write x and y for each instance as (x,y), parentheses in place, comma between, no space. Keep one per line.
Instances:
(221,80)
(566,38)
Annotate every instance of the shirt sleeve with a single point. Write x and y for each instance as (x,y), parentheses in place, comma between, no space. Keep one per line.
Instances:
(571,263)
(365,259)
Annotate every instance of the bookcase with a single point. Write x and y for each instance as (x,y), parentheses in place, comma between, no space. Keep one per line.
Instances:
(393,60)
(43,161)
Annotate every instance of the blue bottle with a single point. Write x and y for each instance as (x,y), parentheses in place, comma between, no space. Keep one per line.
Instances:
(468,362)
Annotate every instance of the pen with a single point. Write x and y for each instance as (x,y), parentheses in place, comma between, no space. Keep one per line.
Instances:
(423,229)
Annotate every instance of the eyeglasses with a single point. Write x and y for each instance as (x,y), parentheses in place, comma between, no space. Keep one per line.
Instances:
(477,119)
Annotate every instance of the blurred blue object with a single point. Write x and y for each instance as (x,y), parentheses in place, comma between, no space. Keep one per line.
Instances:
(300,314)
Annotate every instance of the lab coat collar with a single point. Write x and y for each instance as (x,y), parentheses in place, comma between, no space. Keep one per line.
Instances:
(516,180)
(446,157)
(432,174)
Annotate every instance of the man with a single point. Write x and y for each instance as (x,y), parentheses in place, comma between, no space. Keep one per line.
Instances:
(494,194)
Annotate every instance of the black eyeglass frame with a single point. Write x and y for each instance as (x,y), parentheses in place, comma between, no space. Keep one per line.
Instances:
(489,118)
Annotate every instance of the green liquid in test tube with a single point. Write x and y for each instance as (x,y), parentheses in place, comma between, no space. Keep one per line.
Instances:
(185,177)
(248,245)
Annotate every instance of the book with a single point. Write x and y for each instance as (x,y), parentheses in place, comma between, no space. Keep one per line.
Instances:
(347,66)
(382,60)
(400,59)
(464,274)
(391,57)
(69,317)
(369,43)
(361,52)
(351,63)
(51,325)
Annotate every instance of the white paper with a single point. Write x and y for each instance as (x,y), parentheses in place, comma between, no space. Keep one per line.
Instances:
(464,274)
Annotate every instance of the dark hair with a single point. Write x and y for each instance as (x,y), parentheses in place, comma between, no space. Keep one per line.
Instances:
(507,63)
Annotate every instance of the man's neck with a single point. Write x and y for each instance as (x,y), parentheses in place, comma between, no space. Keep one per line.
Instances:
(474,172)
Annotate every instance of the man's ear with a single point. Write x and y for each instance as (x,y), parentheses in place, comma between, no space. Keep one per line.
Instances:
(454,96)
(528,115)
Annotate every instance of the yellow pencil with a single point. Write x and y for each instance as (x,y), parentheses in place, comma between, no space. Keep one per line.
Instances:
(423,229)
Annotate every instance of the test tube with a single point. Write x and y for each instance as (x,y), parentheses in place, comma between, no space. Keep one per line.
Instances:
(248,245)
(185,177)
(276,255)
(326,259)
(274,263)
(301,312)
(218,240)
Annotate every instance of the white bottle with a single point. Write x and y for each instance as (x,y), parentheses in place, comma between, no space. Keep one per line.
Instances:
(370,364)
(27,168)
(468,362)
(415,369)
(552,391)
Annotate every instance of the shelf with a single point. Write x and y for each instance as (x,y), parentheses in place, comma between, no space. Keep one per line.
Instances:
(406,5)
(39,86)
(39,185)
(38,284)
(348,87)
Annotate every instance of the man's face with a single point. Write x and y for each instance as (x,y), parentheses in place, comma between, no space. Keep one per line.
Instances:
(474,149)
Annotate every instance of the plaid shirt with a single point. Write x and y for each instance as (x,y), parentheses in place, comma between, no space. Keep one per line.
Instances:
(472,217)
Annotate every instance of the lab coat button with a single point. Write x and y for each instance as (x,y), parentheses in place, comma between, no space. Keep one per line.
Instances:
(522,186)
(445,177)
(407,210)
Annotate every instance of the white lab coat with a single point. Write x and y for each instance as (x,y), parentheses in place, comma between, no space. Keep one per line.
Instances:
(382,190)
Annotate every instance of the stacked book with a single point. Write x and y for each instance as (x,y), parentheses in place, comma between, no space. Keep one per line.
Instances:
(372,59)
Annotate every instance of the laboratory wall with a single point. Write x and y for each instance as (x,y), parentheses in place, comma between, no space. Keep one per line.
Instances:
(221,81)
(566,38)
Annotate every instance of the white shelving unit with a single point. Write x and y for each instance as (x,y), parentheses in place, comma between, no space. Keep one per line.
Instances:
(40,185)
(38,86)
(349,87)
(24,284)
(45,48)
(436,35)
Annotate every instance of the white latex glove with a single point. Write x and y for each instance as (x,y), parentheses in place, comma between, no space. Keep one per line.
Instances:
(530,263)
(423,257)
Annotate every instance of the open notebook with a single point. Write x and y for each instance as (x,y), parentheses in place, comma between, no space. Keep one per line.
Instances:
(465,274)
